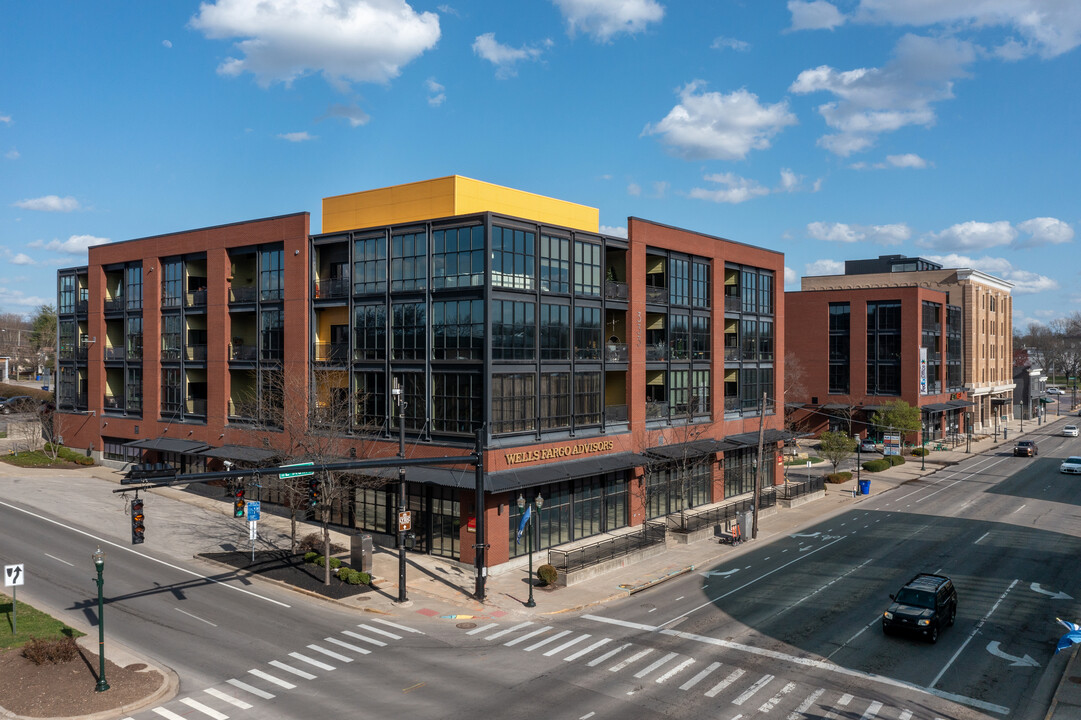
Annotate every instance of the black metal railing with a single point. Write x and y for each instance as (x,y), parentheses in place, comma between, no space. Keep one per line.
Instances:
(114,305)
(615,290)
(615,413)
(196,353)
(615,352)
(243,352)
(791,490)
(332,353)
(609,548)
(243,293)
(656,351)
(657,294)
(691,520)
(656,409)
(733,303)
(332,288)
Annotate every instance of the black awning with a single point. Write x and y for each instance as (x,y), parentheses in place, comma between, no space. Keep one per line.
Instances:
(872,408)
(240,453)
(960,403)
(836,406)
(551,473)
(769,437)
(934,408)
(1000,401)
(677,451)
(162,444)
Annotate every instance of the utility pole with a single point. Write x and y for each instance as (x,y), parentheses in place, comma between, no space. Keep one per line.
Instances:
(396,390)
(758,467)
(480,549)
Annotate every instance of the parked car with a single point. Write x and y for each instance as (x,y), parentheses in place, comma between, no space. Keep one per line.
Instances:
(1071,466)
(868,445)
(926,604)
(1026,448)
(1069,431)
(1055,391)
(18,404)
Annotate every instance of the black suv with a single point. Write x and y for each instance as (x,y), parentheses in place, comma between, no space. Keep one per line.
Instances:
(925,605)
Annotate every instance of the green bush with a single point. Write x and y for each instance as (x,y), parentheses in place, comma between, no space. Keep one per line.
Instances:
(877,465)
(320,561)
(345,573)
(310,556)
(50,652)
(895,459)
(920,452)
(335,563)
(355,577)
(839,477)
(547,574)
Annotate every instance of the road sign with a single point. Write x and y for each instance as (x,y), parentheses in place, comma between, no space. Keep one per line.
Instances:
(405,521)
(14,575)
(301,473)
(253,510)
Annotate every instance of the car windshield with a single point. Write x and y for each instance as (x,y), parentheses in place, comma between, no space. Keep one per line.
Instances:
(916,598)
(1074,460)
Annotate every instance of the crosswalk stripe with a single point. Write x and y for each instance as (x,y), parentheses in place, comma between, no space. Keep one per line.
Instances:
(403,628)
(600,643)
(653,666)
(807,703)
(844,700)
(228,698)
(311,661)
(377,631)
(208,711)
(597,661)
(168,714)
(348,646)
(671,673)
(248,688)
(746,695)
(527,636)
(564,646)
(699,677)
(547,640)
(508,631)
(270,678)
(905,715)
(776,699)
(482,628)
(872,711)
(289,668)
(633,658)
(732,677)
(330,653)
(358,636)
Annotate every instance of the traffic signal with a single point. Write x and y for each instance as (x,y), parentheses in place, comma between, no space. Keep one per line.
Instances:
(138,528)
(314,492)
(238,502)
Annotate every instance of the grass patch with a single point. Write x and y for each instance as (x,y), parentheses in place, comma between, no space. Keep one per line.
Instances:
(32,624)
(803,461)
(65,458)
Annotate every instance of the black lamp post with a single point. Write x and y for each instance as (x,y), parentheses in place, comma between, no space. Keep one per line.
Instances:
(537,504)
(99,564)
(923,448)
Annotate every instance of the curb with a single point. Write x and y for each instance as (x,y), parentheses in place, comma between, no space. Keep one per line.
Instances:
(632,589)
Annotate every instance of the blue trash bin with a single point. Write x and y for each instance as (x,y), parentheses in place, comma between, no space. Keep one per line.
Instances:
(865,487)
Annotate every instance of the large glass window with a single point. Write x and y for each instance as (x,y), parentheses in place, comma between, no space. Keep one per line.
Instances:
(172,344)
(587,269)
(370,265)
(931,341)
(133,398)
(67,294)
(588,403)
(555,332)
(513,258)
(700,284)
(458,330)
(679,394)
(679,336)
(954,349)
(458,257)
(369,404)
(555,264)
(700,392)
(884,348)
(572,510)
(66,350)
(678,486)
(408,262)
(749,290)
(740,468)
(409,326)
(133,279)
(701,338)
(514,326)
(587,333)
(370,332)
(135,337)
(272,334)
(679,288)
(457,402)
(271,275)
(555,400)
(514,400)
(172,283)
(765,292)
(415,396)
(172,393)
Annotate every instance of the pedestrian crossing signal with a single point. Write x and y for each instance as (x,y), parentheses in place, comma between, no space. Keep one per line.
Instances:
(138,526)
(238,503)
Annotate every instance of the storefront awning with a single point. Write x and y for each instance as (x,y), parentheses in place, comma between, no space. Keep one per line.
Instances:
(552,473)
(678,451)
(935,408)
(240,453)
(960,403)
(162,444)
(873,408)
(837,406)
(770,437)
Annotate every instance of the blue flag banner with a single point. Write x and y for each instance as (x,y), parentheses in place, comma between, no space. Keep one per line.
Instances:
(522,524)
(1071,638)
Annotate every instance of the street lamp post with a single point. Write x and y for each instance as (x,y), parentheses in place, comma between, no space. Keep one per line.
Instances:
(396,391)
(538,503)
(99,564)
(923,448)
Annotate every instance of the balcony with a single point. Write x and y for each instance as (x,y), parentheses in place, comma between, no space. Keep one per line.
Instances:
(196,353)
(732,303)
(169,301)
(615,414)
(587,353)
(116,304)
(171,354)
(656,410)
(66,352)
(656,351)
(656,294)
(243,294)
(115,352)
(332,353)
(333,288)
(196,299)
(731,354)
(245,353)
(196,406)
(81,307)
(732,405)
(111,402)
(615,290)
(616,352)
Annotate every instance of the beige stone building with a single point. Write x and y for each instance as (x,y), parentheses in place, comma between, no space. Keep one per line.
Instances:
(987,322)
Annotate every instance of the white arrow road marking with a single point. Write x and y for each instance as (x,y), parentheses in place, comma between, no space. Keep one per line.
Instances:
(814,534)
(718,573)
(1026,661)
(1035,587)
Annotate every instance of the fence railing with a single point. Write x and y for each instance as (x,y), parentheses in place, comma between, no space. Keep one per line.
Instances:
(650,534)
(791,490)
(691,520)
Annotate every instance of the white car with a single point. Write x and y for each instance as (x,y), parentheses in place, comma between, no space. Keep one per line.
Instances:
(1069,431)
(1055,391)
(1071,465)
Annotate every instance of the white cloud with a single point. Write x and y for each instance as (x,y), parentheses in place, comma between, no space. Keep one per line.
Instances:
(908,160)
(1046,231)
(12,154)
(734,189)
(722,43)
(790,181)
(603,19)
(6,119)
(504,57)
(894,234)
(1025,282)
(21,259)
(791,278)
(351,113)
(49,203)
(17,298)
(166,43)
(660,189)
(74,245)
(296,137)
(710,125)
(634,189)
(345,40)
(872,101)
(971,235)
(824,267)
(614,230)
(436,94)
(833,232)
(814,15)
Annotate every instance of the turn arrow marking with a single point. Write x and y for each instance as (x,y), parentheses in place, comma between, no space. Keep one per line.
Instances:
(712,573)
(1035,587)
(1026,661)
(814,534)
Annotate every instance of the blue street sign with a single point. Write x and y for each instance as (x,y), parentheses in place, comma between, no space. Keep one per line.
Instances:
(253,510)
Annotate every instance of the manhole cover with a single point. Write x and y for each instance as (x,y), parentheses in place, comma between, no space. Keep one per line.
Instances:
(465,626)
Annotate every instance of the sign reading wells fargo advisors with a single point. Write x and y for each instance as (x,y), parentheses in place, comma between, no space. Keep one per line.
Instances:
(516,458)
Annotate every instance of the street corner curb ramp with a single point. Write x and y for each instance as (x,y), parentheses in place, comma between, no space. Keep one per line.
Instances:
(631,589)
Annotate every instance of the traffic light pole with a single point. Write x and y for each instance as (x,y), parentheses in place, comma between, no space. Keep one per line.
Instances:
(397,390)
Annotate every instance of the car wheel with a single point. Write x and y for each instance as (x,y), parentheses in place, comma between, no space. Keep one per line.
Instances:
(932,637)
(953,616)
(886,630)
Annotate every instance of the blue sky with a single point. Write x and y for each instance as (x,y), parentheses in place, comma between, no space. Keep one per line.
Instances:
(825,130)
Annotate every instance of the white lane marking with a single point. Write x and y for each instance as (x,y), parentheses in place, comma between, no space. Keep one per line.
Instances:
(679,598)
(811,594)
(168,714)
(482,628)
(587,716)
(125,548)
(527,636)
(674,671)
(759,684)
(58,559)
(195,617)
(509,630)
(1018,509)
(807,703)
(570,643)
(776,699)
(270,678)
(248,688)
(597,661)
(311,661)
(871,712)
(654,665)
(622,623)
(209,711)
(633,658)
(982,537)
(330,653)
(377,631)
(547,640)
(290,669)
(732,677)
(699,677)
(586,651)
(358,636)
(348,646)
(905,715)
(228,698)
(877,619)
(652,609)
(403,628)
(971,635)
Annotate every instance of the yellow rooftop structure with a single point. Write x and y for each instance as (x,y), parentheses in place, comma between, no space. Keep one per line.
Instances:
(447,197)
